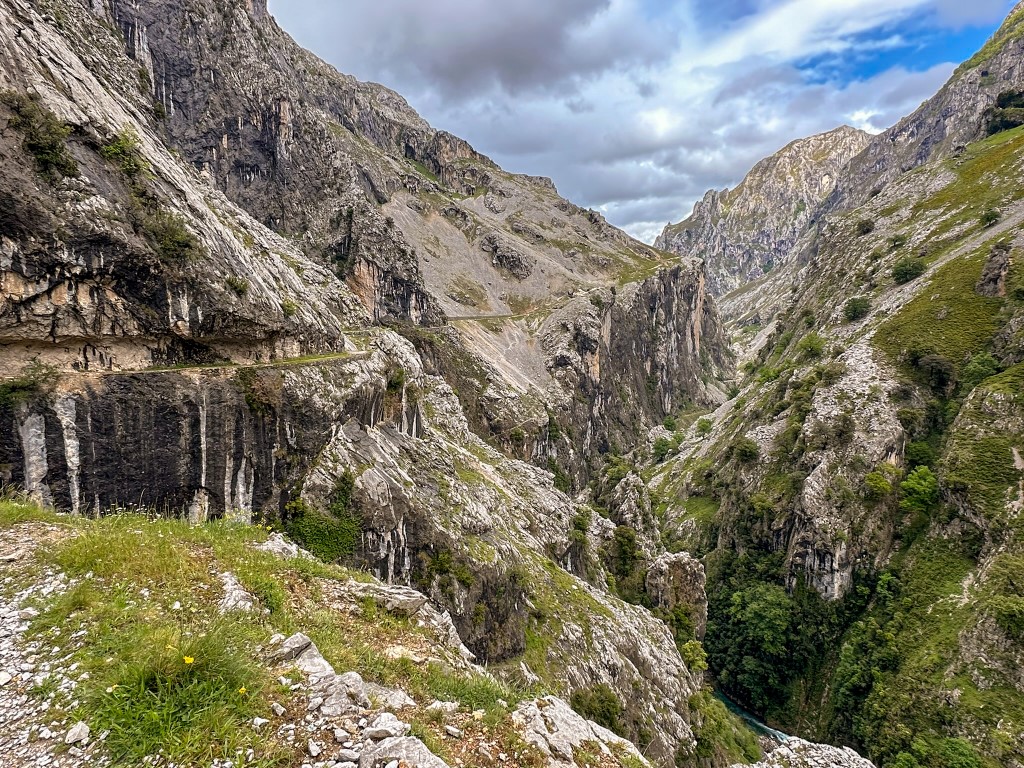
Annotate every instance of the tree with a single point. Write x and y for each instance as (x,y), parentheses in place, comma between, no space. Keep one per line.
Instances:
(920,491)
(877,486)
(939,372)
(811,346)
(758,658)
(981,367)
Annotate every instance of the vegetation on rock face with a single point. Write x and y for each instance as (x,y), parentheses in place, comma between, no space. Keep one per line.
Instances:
(856,309)
(45,135)
(123,151)
(35,380)
(331,535)
(600,704)
(907,269)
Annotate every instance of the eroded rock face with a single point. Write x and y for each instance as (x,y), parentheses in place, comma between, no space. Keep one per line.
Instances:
(678,581)
(632,356)
(746,232)
(91,276)
(559,733)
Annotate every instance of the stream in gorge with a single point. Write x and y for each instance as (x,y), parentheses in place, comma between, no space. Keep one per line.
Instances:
(759,728)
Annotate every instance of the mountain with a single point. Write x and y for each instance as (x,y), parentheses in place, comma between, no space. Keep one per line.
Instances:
(240,285)
(241,289)
(857,505)
(746,232)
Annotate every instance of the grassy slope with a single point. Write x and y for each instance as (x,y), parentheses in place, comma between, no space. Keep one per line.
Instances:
(127,574)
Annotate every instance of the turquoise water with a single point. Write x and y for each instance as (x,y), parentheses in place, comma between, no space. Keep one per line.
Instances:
(759,728)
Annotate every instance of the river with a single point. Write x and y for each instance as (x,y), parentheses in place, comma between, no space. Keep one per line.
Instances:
(759,728)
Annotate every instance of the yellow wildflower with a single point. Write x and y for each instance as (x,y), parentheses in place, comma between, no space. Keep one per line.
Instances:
(189,660)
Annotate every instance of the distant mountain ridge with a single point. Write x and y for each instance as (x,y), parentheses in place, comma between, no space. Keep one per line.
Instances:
(746,232)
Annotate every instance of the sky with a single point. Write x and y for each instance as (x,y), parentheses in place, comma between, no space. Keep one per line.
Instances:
(637,107)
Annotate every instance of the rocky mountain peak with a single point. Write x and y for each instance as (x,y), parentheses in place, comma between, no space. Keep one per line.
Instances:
(746,232)
(960,113)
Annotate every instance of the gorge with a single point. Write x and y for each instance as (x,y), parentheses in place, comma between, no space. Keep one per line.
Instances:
(780,451)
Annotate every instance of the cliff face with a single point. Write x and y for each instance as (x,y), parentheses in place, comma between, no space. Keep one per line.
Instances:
(746,232)
(205,231)
(863,488)
(402,211)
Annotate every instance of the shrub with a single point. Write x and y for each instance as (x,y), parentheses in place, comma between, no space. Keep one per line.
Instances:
(811,346)
(857,308)
(906,270)
(662,447)
(329,537)
(864,227)
(746,450)
(237,284)
(561,480)
(124,152)
(396,380)
(958,753)
(704,427)
(166,232)
(670,423)
(289,308)
(35,380)
(877,486)
(600,704)
(991,217)
(694,655)
(45,136)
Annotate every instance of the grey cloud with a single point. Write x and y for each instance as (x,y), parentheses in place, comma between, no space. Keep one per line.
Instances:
(560,89)
(466,47)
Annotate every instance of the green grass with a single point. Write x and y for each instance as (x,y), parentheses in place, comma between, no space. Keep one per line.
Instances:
(947,316)
(1011,29)
(185,682)
(986,176)
(983,465)
(1009,382)
(702,510)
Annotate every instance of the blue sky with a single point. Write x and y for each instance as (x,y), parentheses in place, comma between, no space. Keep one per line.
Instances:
(637,107)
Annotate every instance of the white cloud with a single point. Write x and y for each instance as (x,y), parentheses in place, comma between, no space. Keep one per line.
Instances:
(635,107)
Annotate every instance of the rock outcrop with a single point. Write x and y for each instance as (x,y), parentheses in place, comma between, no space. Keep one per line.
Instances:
(956,116)
(746,232)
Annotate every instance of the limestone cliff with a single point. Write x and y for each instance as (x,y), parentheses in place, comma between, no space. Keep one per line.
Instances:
(205,231)
(746,232)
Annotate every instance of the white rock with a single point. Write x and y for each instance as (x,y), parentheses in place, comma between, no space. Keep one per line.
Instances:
(78,733)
